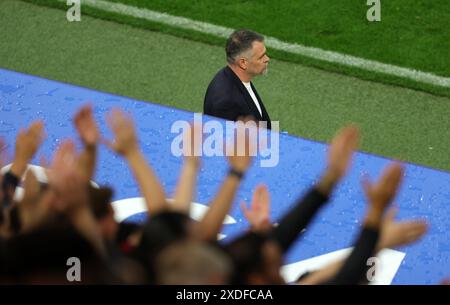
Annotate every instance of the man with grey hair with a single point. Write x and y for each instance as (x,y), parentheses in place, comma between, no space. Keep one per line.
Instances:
(231,94)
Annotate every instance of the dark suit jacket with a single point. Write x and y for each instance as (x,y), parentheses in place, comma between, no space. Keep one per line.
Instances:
(227,98)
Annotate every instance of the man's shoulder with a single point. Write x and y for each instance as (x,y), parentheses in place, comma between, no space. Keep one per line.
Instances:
(222,85)
(222,76)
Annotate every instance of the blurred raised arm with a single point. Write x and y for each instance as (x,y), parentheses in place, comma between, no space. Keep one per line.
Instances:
(211,223)
(126,145)
(89,134)
(339,158)
(184,192)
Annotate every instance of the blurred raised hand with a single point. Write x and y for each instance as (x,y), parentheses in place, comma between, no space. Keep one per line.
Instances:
(381,193)
(400,233)
(340,154)
(89,134)
(86,126)
(28,142)
(36,204)
(241,153)
(125,140)
(71,190)
(341,151)
(126,144)
(184,192)
(192,146)
(258,215)
(240,156)
(2,147)
(65,178)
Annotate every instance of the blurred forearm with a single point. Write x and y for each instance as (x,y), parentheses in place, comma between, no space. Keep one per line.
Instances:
(149,184)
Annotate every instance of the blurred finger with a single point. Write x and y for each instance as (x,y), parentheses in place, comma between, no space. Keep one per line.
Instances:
(367,185)
(108,143)
(392,212)
(244,208)
(392,175)
(43,162)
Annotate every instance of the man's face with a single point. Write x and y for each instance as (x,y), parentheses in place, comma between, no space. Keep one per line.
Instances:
(258,59)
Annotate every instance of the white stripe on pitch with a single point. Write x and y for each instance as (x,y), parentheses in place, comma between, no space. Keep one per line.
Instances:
(274,43)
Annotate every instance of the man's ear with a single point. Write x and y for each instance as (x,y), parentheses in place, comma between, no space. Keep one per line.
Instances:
(242,63)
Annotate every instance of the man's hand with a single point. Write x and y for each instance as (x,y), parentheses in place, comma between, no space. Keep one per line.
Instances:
(241,157)
(259,213)
(341,151)
(86,126)
(399,233)
(2,147)
(27,143)
(192,147)
(32,189)
(381,194)
(211,223)
(36,205)
(340,154)
(125,142)
(89,134)
(71,190)
(185,189)
(66,180)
